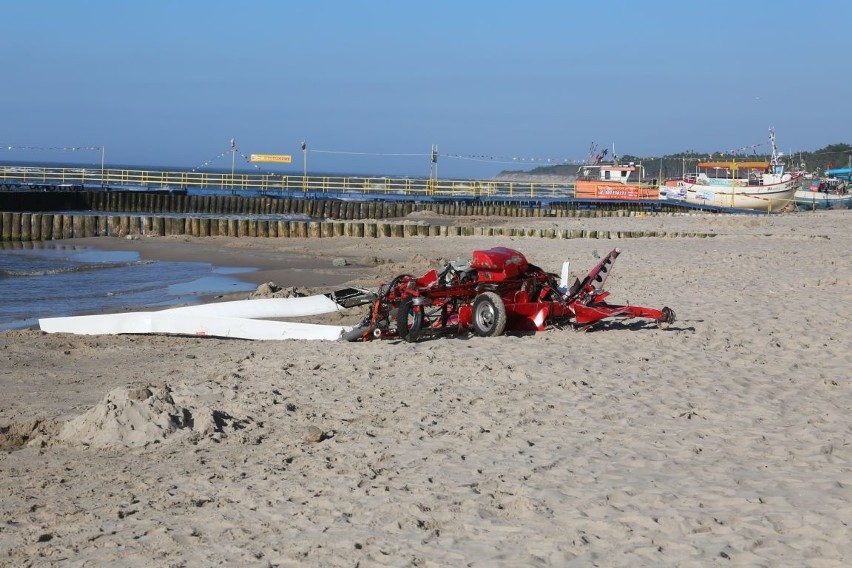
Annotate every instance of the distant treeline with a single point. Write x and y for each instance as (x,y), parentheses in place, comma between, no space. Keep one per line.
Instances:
(832,156)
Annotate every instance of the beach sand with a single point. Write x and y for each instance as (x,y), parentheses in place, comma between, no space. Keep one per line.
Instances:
(724,440)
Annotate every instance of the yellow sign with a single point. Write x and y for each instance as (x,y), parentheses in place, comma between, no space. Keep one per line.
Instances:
(277,158)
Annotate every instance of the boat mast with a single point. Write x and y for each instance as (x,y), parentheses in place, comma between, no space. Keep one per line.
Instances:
(776,162)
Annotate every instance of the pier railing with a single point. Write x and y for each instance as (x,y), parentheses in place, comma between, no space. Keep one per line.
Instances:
(256,183)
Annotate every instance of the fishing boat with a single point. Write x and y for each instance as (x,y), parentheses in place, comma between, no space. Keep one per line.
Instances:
(599,180)
(756,185)
(830,192)
(613,181)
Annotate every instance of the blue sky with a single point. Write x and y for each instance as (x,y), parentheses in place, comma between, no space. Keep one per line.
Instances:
(496,85)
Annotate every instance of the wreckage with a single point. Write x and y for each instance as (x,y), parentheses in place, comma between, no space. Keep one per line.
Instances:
(497,291)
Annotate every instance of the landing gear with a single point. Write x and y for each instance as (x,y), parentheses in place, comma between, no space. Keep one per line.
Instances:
(668,318)
(489,315)
(409,320)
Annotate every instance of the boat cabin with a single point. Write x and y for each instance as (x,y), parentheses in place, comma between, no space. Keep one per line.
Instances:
(608,173)
(750,173)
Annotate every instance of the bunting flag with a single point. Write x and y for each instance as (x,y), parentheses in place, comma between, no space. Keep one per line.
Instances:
(233,150)
(348,153)
(493,158)
(53,148)
(472,157)
(533,160)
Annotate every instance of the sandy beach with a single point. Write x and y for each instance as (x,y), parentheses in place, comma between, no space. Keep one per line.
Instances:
(722,441)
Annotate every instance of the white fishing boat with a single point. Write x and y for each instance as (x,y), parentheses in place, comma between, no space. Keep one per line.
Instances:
(757,185)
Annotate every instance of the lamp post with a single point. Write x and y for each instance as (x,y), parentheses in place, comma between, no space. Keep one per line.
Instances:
(304,166)
(433,169)
(103,154)
(233,158)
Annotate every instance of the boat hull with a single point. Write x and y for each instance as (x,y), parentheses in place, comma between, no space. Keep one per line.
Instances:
(807,200)
(769,198)
(599,189)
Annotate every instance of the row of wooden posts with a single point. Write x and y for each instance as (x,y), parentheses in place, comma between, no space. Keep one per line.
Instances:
(320,208)
(338,209)
(18,226)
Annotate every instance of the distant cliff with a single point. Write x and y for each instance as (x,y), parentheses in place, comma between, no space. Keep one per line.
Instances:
(536,176)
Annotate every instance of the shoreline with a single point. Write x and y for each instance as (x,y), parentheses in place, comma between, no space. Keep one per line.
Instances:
(266,263)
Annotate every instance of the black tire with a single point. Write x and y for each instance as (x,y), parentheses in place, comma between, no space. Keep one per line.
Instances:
(489,315)
(409,321)
(668,318)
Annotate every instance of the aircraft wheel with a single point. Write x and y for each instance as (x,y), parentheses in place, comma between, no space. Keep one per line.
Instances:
(489,315)
(409,321)
(668,318)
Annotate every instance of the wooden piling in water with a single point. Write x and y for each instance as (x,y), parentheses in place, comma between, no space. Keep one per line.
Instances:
(56,230)
(47,226)
(90,226)
(26,227)
(67,226)
(15,227)
(35,226)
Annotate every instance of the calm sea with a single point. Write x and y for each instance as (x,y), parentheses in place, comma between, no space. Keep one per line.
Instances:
(48,279)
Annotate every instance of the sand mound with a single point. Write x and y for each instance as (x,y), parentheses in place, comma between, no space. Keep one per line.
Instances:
(137,417)
(18,434)
(272,290)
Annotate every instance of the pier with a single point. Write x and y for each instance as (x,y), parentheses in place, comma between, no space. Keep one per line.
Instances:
(253,184)
(43,203)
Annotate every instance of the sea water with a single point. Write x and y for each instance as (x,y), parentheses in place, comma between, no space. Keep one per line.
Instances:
(41,280)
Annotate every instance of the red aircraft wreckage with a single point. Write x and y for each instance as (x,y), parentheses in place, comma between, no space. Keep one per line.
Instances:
(497,291)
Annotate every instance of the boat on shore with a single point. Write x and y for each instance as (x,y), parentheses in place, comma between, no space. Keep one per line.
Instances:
(755,185)
(831,192)
(613,181)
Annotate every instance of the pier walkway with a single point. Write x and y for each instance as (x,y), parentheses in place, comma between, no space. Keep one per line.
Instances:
(203,187)
(44,177)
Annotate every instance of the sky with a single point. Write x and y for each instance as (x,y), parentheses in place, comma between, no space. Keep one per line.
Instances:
(371,86)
